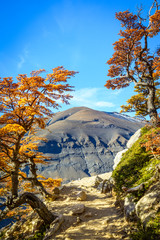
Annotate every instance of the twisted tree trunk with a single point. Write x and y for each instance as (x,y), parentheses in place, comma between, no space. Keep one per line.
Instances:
(36,205)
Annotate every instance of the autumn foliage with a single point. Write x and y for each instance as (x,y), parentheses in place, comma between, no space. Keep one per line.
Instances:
(133,61)
(138,102)
(25,105)
(152,142)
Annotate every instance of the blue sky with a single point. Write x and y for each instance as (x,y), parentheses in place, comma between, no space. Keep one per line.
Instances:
(77,34)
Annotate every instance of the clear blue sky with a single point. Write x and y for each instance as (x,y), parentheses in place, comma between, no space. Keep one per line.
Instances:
(77,34)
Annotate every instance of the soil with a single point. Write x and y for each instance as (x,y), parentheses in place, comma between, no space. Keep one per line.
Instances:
(100,220)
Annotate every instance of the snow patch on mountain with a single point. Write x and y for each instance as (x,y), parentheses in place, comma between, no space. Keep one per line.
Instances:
(124,117)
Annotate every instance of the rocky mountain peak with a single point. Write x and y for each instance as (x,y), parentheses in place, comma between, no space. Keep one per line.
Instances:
(83,142)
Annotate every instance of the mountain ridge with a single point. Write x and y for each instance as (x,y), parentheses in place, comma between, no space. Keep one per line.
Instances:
(83,142)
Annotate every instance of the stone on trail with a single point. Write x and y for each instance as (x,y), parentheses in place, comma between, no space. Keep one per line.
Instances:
(129,209)
(98,180)
(78,209)
(81,196)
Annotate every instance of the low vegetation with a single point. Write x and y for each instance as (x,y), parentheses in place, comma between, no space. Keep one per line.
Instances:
(138,166)
(152,232)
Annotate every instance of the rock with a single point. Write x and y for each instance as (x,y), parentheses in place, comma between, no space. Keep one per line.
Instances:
(81,196)
(78,220)
(78,209)
(118,158)
(56,191)
(129,209)
(98,180)
(130,142)
(54,226)
(24,228)
(99,188)
(119,203)
(140,187)
(134,138)
(10,233)
(149,204)
(107,186)
(88,214)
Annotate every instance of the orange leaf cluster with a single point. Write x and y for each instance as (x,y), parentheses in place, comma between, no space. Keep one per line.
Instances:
(51,183)
(152,143)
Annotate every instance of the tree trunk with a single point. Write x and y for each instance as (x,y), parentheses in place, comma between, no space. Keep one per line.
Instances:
(35,181)
(151,106)
(15,181)
(36,205)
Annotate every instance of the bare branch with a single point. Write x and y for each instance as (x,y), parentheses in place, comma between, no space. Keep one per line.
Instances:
(6,176)
(139,14)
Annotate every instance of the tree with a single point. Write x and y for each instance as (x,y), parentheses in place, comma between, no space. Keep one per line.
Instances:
(138,103)
(25,105)
(133,61)
(152,142)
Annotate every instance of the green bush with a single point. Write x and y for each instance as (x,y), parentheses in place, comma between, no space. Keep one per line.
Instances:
(135,167)
(152,232)
(39,235)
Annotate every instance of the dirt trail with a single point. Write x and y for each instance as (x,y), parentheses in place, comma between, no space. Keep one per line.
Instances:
(100,220)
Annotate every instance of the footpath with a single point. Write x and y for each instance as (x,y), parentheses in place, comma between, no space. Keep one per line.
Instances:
(88,213)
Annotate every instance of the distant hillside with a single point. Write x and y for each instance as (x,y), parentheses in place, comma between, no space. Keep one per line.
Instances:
(83,142)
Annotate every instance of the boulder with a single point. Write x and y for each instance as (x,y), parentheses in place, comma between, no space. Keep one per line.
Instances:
(149,204)
(56,191)
(100,186)
(129,209)
(118,157)
(78,209)
(98,180)
(81,196)
(130,142)
(107,186)
(54,226)
(134,138)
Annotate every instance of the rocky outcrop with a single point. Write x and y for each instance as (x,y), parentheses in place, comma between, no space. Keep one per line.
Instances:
(134,138)
(130,142)
(149,204)
(82,142)
(118,157)
(129,209)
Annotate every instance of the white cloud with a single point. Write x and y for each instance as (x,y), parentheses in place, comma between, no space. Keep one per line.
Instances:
(91,97)
(84,94)
(117,92)
(21,62)
(22,58)
(104,104)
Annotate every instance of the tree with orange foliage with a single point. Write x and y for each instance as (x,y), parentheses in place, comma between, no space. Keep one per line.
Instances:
(132,60)
(25,105)
(152,142)
(138,102)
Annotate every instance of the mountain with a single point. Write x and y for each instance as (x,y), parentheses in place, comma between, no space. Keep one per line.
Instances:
(83,142)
